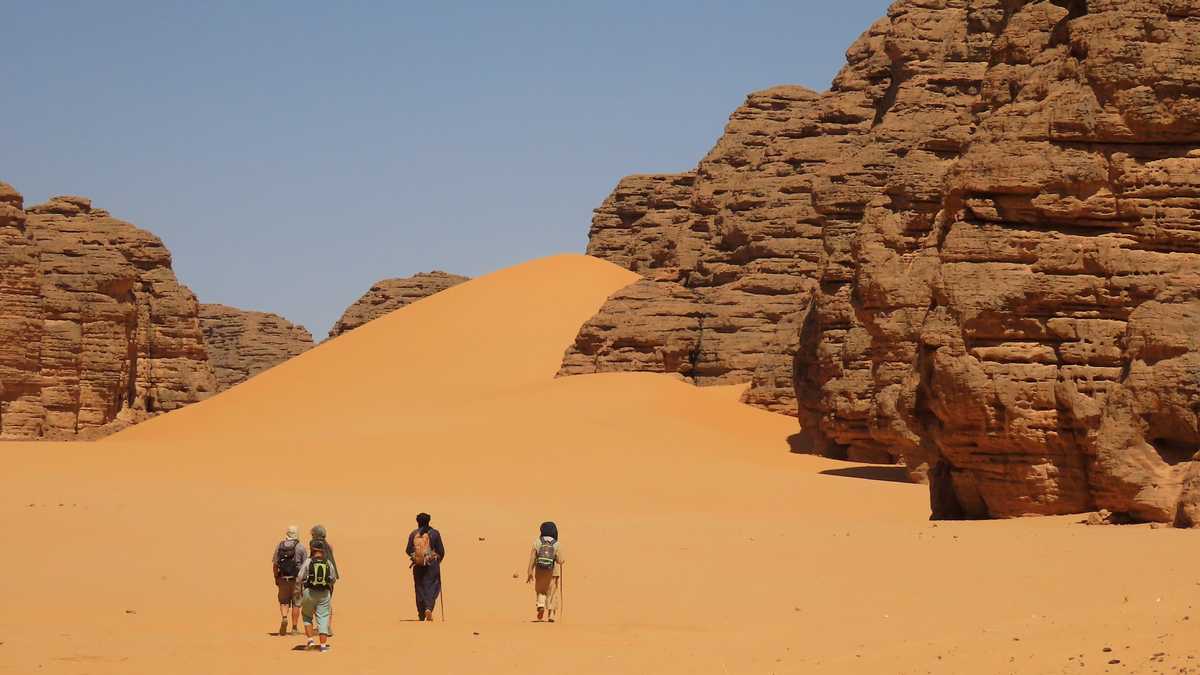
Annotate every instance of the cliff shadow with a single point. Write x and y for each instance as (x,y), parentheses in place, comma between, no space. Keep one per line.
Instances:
(889,474)
(800,443)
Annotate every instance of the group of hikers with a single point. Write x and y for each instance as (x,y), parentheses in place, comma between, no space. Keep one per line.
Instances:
(305,578)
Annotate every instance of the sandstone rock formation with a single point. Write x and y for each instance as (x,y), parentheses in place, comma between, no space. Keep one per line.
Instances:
(21,408)
(741,233)
(392,294)
(978,253)
(97,332)
(648,325)
(243,343)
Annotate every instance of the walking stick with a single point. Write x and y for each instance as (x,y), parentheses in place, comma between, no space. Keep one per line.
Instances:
(562,591)
(443,580)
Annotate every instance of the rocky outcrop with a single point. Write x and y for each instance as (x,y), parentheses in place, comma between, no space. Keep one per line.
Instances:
(98,333)
(647,326)
(987,236)
(21,411)
(741,233)
(243,343)
(1055,349)
(988,326)
(392,294)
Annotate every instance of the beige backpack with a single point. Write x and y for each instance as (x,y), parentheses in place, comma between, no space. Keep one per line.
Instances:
(422,554)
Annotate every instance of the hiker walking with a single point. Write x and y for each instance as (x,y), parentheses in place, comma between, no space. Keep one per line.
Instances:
(426,552)
(318,533)
(545,571)
(286,560)
(317,577)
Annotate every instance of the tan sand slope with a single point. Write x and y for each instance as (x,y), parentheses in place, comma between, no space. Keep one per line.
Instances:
(698,544)
(446,352)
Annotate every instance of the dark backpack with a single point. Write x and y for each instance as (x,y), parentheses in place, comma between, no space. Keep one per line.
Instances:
(547,553)
(319,575)
(285,559)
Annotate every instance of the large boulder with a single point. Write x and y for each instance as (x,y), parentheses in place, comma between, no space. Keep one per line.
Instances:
(389,295)
(243,343)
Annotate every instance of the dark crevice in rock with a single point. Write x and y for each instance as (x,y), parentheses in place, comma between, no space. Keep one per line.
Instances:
(943,500)
(1061,33)
(885,103)
(694,354)
(1174,451)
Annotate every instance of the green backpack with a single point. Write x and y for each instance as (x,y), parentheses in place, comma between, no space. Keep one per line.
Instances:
(319,575)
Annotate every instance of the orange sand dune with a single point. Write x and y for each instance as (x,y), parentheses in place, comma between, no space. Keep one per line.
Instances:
(697,542)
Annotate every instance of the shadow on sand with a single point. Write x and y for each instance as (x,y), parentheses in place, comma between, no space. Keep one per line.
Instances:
(890,474)
(801,444)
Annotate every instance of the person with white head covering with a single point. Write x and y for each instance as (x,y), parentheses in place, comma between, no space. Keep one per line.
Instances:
(286,561)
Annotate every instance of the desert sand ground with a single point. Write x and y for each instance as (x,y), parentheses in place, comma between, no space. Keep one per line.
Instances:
(697,542)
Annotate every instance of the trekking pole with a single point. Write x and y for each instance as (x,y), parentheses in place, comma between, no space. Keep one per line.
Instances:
(562,591)
(443,597)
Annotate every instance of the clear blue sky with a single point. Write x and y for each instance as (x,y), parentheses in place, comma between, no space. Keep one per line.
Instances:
(292,153)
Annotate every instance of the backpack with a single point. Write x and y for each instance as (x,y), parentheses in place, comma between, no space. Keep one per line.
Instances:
(423,555)
(285,559)
(318,575)
(547,553)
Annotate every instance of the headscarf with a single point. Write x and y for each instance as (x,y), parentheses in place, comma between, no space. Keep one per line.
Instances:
(318,532)
(293,532)
(423,520)
(549,529)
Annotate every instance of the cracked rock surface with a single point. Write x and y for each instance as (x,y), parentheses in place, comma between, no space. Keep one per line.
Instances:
(389,295)
(978,253)
(243,343)
(95,330)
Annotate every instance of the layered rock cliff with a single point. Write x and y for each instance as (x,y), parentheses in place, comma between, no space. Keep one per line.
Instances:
(22,412)
(243,343)
(740,236)
(389,295)
(977,253)
(97,332)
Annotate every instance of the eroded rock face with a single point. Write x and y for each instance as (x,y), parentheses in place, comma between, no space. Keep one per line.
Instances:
(990,233)
(21,409)
(741,233)
(98,333)
(392,294)
(1069,272)
(647,326)
(243,343)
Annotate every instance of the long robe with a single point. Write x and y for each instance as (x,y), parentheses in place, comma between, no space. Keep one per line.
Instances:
(427,579)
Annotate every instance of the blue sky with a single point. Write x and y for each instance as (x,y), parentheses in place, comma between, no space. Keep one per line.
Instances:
(292,153)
